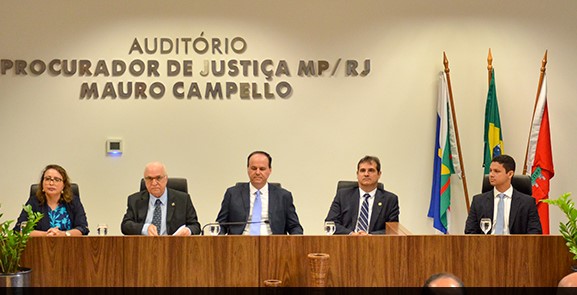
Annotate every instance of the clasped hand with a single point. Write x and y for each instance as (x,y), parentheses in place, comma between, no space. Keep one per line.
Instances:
(55,232)
(182,231)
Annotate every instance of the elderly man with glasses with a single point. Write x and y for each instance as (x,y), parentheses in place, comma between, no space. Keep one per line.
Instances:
(159,210)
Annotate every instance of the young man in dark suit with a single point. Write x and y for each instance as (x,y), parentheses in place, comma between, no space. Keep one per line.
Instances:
(364,209)
(510,211)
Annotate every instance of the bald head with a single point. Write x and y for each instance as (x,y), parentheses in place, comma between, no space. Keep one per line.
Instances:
(155,166)
(155,178)
(569,280)
(443,280)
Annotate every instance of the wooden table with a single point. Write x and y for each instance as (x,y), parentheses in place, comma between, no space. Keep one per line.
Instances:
(390,260)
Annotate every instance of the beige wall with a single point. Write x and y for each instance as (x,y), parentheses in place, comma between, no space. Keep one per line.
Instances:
(317,136)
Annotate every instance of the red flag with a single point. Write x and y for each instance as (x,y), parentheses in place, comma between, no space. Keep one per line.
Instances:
(540,156)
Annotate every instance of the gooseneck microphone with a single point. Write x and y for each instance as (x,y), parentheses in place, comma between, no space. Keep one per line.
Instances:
(232,223)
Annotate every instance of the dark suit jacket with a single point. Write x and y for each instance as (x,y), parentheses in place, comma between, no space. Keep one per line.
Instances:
(344,211)
(179,211)
(282,214)
(74,208)
(523,218)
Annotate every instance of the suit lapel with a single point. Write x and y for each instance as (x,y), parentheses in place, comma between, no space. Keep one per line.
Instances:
(169,208)
(377,208)
(245,194)
(272,204)
(513,210)
(142,205)
(490,201)
(355,197)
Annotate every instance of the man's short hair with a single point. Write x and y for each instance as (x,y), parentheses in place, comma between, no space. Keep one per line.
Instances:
(262,153)
(507,161)
(370,159)
(441,275)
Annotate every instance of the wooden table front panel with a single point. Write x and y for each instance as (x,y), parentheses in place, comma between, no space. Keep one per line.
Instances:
(407,261)
(355,261)
(191,261)
(75,261)
(385,261)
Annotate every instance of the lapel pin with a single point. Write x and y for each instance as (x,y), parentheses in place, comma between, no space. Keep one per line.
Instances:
(380,204)
(173,204)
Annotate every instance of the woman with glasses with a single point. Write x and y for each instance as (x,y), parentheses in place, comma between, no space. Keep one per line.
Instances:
(63,212)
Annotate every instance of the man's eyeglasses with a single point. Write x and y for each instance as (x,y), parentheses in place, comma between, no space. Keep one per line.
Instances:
(151,179)
(55,179)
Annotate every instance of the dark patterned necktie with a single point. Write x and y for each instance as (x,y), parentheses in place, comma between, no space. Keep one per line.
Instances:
(157,216)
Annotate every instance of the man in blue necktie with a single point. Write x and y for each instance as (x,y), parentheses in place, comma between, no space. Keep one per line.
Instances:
(510,211)
(258,207)
(367,208)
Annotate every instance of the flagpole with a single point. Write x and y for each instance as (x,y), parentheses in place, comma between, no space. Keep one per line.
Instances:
(543,68)
(454,115)
(490,65)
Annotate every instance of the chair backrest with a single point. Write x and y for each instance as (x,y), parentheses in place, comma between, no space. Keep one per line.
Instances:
(521,183)
(73,186)
(176,183)
(350,184)
(277,184)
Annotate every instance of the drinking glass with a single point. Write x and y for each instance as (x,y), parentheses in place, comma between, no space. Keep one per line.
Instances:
(330,228)
(214,229)
(102,229)
(485,225)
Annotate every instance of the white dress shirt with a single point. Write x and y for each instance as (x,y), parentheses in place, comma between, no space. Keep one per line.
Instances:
(264,227)
(371,201)
(507,208)
(151,205)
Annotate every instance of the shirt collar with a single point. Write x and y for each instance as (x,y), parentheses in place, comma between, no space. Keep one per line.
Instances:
(371,193)
(263,190)
(163,198)
(508,193)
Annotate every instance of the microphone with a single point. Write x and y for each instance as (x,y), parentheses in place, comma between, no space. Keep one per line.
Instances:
(232,223)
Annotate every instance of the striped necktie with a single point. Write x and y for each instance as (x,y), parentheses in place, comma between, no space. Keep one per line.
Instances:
(363,222)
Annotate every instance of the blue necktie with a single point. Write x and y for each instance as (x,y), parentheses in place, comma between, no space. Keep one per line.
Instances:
(500,222)
(256,215)
(363,223)
(157,215)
